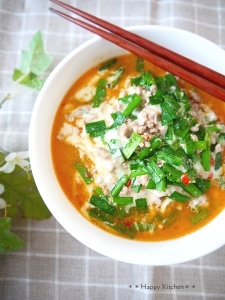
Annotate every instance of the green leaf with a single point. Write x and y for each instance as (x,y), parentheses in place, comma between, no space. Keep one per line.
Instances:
(34,63)
(36,83)
(35,59)
(30,80)
(8,240)
(17,75)
(2,156)
(21,194)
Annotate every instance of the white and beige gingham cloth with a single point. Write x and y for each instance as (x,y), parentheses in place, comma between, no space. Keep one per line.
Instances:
(54,265)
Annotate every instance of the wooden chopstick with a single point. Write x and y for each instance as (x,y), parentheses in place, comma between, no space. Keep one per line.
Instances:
(207,83)
(176,58)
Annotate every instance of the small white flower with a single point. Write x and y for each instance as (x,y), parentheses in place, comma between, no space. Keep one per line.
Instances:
(16,158)
(2,189)
(2,201)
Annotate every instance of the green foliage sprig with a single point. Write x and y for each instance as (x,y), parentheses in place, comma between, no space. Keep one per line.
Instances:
(34,62)
(18,193)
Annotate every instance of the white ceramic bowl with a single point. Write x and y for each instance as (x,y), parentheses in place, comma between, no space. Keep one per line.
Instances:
(189,247)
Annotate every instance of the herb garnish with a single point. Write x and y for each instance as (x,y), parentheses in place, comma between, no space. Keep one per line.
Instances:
(18,193)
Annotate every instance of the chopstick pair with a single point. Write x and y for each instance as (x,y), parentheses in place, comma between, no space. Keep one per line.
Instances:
(198,75)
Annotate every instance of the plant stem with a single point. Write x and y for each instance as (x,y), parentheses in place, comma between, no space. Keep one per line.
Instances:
(14,87)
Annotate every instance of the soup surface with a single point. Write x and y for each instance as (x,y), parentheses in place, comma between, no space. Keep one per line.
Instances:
(139,152)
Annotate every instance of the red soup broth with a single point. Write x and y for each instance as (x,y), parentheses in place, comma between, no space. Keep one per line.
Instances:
(64,156)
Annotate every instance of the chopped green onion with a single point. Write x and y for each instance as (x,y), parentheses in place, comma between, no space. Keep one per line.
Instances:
(200,216)
(118,118)
(213,122)
(122,201)
(214,128)
(100,93)
(170,80)
(190,147)
(168,113)
(176,144)
(97,134)
(140,64)
(113,146)
(170,158)
(185,161)
(95,127)
(221,137)
(162,185)
(119,185)
(201,133)
(169,133)
(116,78)
(141,203)
(83,172)
(98,191)
(130,231)
(143,226)
(218,160)
(136,164)
(192,173)
(179,197)
(185,131)
(132,144)
(171,219)
(155,172)
(100,215)
(106,65)
(137,173)
(222,182)
(155,143)
(191,189)
(202,184)
(168,149)
(102,204)
(181,96)
(182,127)
(172,103)
(146,79)
(123,212)
(208,139)
(194,158)
(151,185)
(136,187)
(157,98)
(200,145)
(127,99)
(171,172)
(205,159)
(161,84)
(136,100)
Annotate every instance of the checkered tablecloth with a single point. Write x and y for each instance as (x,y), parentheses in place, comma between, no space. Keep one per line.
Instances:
(54,265)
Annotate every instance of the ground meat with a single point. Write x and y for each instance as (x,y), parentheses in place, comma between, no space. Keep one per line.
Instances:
(201,200)
(146,123)
(195,128)
(194,137)
(143,179)
(218,148)
(78,112)
(103,153)
(125,191)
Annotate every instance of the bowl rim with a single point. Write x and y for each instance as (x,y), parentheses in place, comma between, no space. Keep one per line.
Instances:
(143,253)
